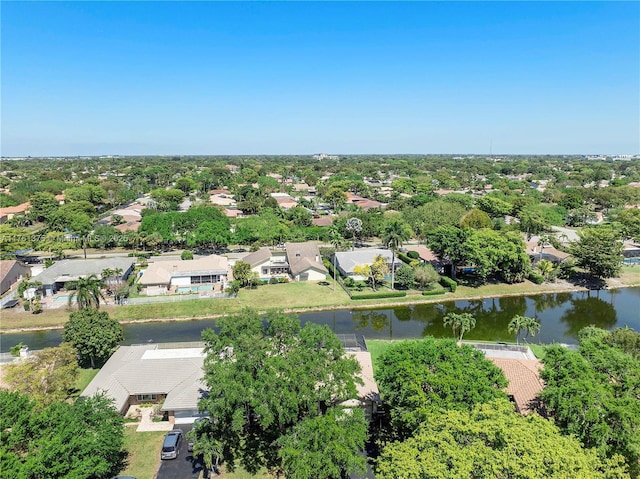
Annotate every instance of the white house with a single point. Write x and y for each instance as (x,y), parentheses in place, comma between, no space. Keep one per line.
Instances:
(346,261)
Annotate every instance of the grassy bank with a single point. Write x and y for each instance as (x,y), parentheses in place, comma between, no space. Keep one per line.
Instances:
(291,296)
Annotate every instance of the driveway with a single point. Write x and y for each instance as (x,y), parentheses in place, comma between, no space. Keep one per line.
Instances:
(182,467)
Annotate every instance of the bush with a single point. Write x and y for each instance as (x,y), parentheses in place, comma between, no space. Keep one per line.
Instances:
(186,255)
(448,283)
(433,292)
(413,255)
(15,349)
(404,258)
(381,294)
(349,282)
(273,280)
(536,278)
(283,280)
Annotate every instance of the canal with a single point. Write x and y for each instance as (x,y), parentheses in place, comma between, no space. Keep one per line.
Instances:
(561,316)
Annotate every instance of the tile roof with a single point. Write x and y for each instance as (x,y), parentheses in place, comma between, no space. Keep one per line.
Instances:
(161,272)
(322,221)
(524,380)
(304,256)
(132,370)
(425,253)
(257,257)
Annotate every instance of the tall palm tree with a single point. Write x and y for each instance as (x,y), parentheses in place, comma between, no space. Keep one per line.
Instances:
(336,239)
(462,322)
(87,293)
(394,234)
(530,326)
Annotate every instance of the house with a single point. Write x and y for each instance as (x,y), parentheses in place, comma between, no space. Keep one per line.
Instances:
(9,212)
(284,200)
(222,197)
(209,273)
(322,221)
(268,264)
(55,277)
(154,373)
(11,272)
(305,262)
(538,252)
(301,261)
(346,261)
(525,384)
(365,203)
(428,256)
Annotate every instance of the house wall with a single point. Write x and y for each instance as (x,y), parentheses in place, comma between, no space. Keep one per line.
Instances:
(181,281)
(313,275)
(15,274)
(155,290)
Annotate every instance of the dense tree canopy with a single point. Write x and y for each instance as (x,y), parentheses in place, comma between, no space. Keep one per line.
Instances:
(83,439)
(417,376)
(93,334)
(492,441)
(599,251)
(593,393)
(271,381)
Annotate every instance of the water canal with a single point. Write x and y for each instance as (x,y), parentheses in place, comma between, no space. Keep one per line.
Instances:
(561,316)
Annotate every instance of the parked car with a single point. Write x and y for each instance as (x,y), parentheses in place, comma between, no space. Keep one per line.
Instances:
(171,444)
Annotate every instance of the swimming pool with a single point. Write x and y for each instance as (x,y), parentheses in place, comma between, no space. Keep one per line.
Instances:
(194,289)
(631,261)
(60,299)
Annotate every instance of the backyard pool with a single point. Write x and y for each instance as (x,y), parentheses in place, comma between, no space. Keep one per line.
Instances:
(194,289)
(60,299)
(631,261)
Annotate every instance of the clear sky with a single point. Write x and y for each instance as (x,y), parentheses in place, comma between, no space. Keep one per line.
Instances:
(90,78)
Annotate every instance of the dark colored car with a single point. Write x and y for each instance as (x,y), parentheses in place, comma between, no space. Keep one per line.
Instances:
(171,444)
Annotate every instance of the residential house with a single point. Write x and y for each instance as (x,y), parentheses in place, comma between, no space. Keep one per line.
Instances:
(209,273)
(524,379)
(537,252)
(347,261)
(11,272)
(364,203)
(428,256)
(222,197)
(268,264)
(305,262)
(154,373)
(56,276)
(285,201)
(9,212)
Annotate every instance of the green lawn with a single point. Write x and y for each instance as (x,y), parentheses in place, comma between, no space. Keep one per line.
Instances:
(144,452)
(85,377)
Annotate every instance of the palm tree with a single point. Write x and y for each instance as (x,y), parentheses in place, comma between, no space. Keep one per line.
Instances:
(530,326)
(336,239)
(545,267)
(206,446)
(463,322)
(87,293)
(394,234)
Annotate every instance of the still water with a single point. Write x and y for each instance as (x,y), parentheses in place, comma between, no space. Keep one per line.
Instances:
(561,316)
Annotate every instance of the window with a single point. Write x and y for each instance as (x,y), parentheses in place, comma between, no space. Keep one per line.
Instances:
(146,397)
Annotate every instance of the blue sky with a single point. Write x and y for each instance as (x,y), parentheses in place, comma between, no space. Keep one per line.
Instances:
(91,78)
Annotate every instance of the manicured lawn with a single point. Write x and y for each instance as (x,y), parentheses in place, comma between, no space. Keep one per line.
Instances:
(84,378)
(539,350)
(144,452)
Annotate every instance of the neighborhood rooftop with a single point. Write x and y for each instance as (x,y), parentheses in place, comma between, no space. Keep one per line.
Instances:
(72,269)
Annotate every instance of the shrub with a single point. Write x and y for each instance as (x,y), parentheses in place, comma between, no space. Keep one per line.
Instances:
(536,278)
(273,280)
(413,254)
(15,349)
(448,283)
(186,255)
(433,292)
(283,280)
(404,258)
(381,294)
(349,282)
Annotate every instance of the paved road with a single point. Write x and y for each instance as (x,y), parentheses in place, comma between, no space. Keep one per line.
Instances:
(184,466)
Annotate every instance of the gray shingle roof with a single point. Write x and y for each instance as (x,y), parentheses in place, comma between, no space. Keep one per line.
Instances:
(304,256)
(257,257)
(161,272)
(145,369)
(74,268)
(348,260)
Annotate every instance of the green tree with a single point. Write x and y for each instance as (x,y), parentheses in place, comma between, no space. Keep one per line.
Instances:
(242,272)
(395,233)
(336,240)
(405,276)
(491,441)
(93,334)
(266,379)
(545,267)
(374,272)
(83,439)
(87,293)
(592,393)
(43,206)
(599,251)
(318,447)
(186,185)
(476,219)
(429,374)
(460,323)
(47,376)
(425,275)
(205,445)
(519,323)
(448,242)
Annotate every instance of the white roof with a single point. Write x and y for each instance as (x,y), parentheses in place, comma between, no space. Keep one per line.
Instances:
(348,260)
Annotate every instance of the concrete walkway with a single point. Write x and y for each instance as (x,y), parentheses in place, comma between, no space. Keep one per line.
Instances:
(147,424)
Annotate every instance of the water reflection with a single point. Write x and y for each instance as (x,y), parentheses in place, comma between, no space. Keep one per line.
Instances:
(561,316)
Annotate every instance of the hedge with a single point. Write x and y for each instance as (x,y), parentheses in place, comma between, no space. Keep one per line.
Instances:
(536,278)
(448,283)
(433,292)
(404,258)
(413,254)
(382,294)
